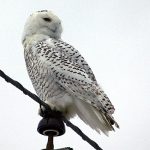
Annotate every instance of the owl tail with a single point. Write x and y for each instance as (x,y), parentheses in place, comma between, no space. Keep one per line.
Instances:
(95,119)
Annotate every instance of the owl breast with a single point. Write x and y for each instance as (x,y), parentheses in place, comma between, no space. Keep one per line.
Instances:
(45,85)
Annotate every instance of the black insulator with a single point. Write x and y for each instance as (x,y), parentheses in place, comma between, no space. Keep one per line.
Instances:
(51,126)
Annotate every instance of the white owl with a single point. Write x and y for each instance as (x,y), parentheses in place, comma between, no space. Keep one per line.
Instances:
(61,76)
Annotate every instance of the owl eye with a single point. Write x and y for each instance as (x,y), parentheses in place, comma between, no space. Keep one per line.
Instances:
(47,19)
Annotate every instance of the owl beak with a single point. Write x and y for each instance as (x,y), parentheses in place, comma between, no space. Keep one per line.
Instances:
(54,30)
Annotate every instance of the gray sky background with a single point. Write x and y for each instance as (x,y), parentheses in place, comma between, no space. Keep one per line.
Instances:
(114,37)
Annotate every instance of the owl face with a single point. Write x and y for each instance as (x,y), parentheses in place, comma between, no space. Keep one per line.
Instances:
(43,22)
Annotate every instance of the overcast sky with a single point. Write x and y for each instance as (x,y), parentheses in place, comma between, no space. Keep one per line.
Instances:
(114,38)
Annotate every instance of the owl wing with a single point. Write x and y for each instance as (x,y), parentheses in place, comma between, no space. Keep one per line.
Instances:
(75,57)
(77,79)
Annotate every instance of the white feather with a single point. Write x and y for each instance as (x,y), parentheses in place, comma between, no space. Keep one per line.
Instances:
(92,117)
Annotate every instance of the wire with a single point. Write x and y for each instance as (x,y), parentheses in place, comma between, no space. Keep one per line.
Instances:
(51,112)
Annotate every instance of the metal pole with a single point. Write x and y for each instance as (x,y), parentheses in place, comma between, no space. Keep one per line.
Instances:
(50,145)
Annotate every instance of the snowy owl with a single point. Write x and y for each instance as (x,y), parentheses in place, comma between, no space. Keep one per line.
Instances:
(61,76)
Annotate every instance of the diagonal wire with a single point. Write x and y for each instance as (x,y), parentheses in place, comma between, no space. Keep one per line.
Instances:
(37,99)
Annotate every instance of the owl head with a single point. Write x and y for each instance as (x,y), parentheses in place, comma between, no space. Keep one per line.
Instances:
(43,22)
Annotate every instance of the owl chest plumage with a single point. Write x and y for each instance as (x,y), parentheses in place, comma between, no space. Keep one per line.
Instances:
(44,83)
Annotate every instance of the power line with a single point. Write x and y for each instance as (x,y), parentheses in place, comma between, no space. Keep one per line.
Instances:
(48,109)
